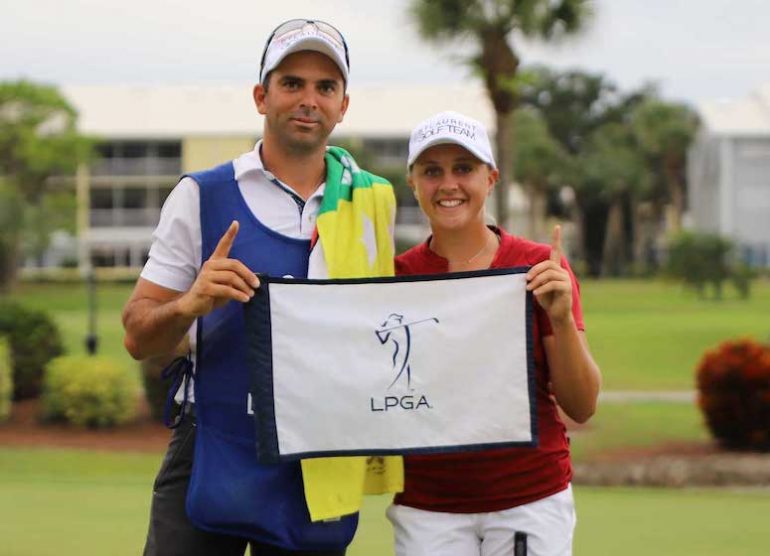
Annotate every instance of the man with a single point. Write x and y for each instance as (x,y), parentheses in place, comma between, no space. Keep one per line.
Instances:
(217,228)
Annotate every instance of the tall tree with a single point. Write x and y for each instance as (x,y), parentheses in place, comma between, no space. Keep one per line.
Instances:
(541,165)
(616,169)
(11,224)
(664,131)
(38,139)
(574,106)
(492,25)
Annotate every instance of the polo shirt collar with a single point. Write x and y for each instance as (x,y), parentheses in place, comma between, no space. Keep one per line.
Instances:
(251,162)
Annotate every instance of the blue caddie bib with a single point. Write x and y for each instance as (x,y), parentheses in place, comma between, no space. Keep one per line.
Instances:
(229,491)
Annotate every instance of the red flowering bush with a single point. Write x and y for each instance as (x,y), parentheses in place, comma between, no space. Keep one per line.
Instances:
(734,394)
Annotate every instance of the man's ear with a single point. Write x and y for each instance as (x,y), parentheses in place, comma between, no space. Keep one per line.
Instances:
(259,93)
(345,103)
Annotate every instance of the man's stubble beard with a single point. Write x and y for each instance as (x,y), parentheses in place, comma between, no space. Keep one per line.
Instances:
(298,144)
(298,147)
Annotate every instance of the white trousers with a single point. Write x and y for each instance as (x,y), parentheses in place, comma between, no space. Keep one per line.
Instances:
(548,524)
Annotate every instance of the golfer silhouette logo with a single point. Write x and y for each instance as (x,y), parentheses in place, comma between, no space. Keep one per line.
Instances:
(398,333)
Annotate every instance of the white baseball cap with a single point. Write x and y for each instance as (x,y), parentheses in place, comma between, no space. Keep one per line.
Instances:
(451,128)
(297,35)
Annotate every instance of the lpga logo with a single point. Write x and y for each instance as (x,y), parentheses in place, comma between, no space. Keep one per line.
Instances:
(398,334)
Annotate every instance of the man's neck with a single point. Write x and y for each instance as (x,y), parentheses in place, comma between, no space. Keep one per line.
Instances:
(303,172)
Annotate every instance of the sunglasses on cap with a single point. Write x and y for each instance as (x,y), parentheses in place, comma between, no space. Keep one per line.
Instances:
(293,27)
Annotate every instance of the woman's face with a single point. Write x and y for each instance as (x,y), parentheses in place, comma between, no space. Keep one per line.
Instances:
(451,186)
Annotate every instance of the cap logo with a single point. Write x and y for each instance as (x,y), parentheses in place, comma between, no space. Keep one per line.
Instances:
(451,127)
(308,30)
(447,125)
(291,34)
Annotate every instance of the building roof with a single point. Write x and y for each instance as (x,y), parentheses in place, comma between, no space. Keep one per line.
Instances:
(747,116)
(173,111)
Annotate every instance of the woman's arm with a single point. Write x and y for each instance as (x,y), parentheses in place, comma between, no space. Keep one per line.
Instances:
(575,376)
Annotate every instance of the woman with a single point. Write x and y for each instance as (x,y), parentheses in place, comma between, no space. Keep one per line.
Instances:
(504,501)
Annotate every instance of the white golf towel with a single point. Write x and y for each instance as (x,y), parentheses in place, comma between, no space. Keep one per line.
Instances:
(413,364)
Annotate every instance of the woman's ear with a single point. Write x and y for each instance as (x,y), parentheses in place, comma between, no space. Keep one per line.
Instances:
(494,175)
(410,183)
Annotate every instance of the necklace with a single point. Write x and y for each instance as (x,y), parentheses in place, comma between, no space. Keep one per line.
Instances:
(478,253)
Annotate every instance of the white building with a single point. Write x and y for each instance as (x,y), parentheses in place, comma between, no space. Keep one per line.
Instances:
(729,173)
(148,136)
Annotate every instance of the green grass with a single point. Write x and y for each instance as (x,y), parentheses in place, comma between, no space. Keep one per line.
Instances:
(637,425)
(650,335)
(72,502)
(645,334)
(640,522)
(98,502)
(68,303)
(62,502)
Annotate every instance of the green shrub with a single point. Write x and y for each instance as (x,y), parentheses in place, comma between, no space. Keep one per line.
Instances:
(702,260)
(34,341)
(89,391)
(734,394)
(6,380)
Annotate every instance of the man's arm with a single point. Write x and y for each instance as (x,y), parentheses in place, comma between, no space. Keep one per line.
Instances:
(153,321)
(156,319)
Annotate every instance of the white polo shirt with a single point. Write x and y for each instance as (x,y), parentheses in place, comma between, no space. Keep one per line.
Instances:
(175,254)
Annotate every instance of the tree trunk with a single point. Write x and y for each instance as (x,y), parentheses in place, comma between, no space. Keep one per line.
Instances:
(677,199)
(504,147)
(9,260)
(537,208)
(613,253)
(638,235)
(676,189)
(580,251)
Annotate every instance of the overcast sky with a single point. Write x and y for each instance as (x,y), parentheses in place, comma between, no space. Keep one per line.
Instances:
(694,49)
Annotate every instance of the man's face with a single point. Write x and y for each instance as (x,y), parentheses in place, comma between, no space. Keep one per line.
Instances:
(304,100)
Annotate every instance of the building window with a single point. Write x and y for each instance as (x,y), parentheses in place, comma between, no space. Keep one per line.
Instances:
(105,150)
(101,198)
(111,256)
(138,158)
(163,193)
(169,150)
(389,152)
(134,150)
(134,198)
(102,257)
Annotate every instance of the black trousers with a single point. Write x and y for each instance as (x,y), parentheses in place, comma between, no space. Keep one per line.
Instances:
(171,533)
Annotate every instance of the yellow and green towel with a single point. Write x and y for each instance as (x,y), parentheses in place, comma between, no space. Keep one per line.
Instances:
(354,239)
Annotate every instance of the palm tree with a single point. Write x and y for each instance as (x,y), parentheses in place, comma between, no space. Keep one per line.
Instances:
(617,171)
(575,106)
(664,130)
(490,25)
(541,166)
